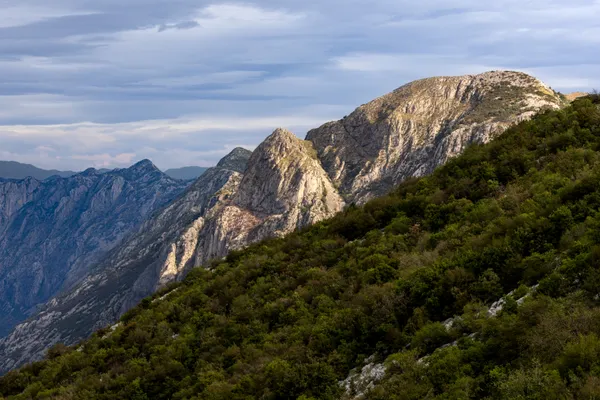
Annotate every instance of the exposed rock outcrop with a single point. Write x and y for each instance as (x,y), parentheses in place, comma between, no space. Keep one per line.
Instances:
(414,129)
(283,189)
(575,95)
(14,194)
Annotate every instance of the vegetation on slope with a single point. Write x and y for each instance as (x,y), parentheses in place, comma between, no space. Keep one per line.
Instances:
(288,318)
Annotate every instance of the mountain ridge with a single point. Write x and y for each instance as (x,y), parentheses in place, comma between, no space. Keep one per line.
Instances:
(402,134)
(419,126)
(17,171)
(404,289)
(51,231)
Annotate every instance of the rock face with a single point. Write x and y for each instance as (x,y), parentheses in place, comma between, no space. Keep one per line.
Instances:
(52,231)
(286,183)
(419,126)
(284,188)
(14,194)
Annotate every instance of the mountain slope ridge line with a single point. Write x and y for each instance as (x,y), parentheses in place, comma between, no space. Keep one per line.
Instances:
(403,134)
(289,318)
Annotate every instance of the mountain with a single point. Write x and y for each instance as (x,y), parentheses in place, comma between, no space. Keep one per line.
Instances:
(52,231)
(479,281)
(284,188)
(287,184)
(16,170)
(419,126)
(134,268)
(186,173)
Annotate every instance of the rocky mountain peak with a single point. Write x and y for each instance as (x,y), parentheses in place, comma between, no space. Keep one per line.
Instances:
(236,160)
(283,188)
(143,167)
(516,78)
(418,126)
(281,134)
(88,172)
(277,170)
(143,170)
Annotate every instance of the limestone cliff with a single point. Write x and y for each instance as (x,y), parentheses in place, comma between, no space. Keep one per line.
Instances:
(14,194)
(419,126)
(283,189)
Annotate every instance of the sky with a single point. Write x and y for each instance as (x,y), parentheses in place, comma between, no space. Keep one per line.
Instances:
(106,83)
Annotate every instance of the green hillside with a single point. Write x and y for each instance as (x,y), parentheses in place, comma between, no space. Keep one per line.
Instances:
(289,318)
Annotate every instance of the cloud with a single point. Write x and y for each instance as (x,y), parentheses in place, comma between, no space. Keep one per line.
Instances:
(181,82)
(22,15)
(192,140)
(106,160)
(406,63)
(227,77)
(179,25)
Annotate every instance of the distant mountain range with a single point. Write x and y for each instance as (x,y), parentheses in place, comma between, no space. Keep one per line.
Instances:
(53,230)
(185,173)
(17,170)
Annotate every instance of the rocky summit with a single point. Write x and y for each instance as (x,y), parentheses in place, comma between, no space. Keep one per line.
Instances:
(285,184)
(419,126)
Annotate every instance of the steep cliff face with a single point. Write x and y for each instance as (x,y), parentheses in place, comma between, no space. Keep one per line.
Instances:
(166,244)
(14,194)
(421,125)
(283,189)
(52,231)
(287,183)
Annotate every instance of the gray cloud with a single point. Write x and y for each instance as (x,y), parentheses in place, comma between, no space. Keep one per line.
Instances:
(106,82)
